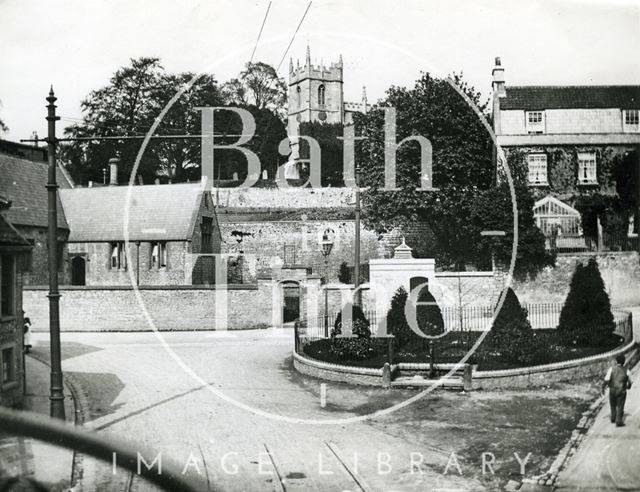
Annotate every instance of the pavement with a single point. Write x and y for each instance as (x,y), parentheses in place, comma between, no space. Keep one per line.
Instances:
(230,409)
(47,464)
(608,457)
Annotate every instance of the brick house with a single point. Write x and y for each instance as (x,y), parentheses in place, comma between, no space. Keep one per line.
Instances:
(576,147)
(168,225)
(12,248)
(23,183)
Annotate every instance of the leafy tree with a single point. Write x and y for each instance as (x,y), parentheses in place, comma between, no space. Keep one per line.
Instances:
(462,169)
(269,132)
(493,210)
(586,317)
(344,275)
(331,162)
(258,85)
(129,105)
(461,157)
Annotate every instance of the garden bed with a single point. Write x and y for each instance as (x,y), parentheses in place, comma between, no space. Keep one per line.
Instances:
(453,346)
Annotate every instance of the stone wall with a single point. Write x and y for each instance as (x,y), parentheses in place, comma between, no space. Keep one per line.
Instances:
(37,272)
(565,121)
(540,376)
(620,272)
(98,271)
(178,308)
(276,198)
(297,242)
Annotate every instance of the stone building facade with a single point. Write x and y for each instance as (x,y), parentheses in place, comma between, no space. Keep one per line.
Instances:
(578,145)
(13,248)
(173,234)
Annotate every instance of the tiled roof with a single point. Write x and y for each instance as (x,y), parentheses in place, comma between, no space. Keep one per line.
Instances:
(23,182)
(156,212)
(531,98)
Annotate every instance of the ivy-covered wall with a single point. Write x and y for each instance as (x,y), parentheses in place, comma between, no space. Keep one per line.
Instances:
(613,198)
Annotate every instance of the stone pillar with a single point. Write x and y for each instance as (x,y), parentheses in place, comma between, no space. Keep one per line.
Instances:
(313,296)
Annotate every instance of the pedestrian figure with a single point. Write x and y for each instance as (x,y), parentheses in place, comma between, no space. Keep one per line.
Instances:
(27,333)
(618,380)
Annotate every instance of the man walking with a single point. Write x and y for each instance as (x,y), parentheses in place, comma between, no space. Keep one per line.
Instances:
(618,379)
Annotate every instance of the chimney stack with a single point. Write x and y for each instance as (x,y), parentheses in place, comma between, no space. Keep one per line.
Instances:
(498,79)
(113,168)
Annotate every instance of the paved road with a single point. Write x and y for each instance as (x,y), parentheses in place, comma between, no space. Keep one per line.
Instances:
(609,457)
(137,390)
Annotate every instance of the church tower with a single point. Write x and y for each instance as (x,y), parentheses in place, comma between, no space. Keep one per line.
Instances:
(315,94)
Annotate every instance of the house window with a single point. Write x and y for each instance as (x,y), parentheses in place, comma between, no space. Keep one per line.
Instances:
(159,254)
(587,168)
(7,285)
(535,121)
(206,228)
(299,96)
(321,96)
(537,169)
(118,256)
(631,120)
(8,365)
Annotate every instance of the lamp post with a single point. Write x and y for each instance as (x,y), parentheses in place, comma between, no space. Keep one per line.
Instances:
(56,396)
(326,245)
(356,265)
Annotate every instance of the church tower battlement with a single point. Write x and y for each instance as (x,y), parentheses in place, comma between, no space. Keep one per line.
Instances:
(316,93)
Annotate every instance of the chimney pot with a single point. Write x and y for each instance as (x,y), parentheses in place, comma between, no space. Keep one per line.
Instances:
(113,168)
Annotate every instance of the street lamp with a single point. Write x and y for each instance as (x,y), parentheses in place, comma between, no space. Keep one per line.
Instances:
(326,246)
(56,390)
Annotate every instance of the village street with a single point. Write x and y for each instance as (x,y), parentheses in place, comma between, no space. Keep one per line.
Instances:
(138,392)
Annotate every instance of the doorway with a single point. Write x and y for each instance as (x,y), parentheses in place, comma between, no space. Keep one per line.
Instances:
(290,301)
(78,270)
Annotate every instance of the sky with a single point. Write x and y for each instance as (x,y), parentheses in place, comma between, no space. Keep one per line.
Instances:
(77,44)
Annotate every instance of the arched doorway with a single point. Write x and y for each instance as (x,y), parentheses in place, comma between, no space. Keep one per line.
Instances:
(291,301)
(78,270)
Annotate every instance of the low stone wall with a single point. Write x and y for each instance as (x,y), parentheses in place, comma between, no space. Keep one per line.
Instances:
(537,376)
(527,377)
(335,372)
(179,308)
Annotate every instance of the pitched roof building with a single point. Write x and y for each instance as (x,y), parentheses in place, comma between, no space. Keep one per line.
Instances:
(168,227)
(576,144)
(23,182)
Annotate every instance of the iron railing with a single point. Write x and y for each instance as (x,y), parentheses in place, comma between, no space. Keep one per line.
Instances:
(464,325)
(592,244)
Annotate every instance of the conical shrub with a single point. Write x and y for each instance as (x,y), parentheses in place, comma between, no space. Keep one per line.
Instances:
(586,318)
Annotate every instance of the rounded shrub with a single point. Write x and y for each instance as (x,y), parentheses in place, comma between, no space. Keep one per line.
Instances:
(360,323)
(429,319)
